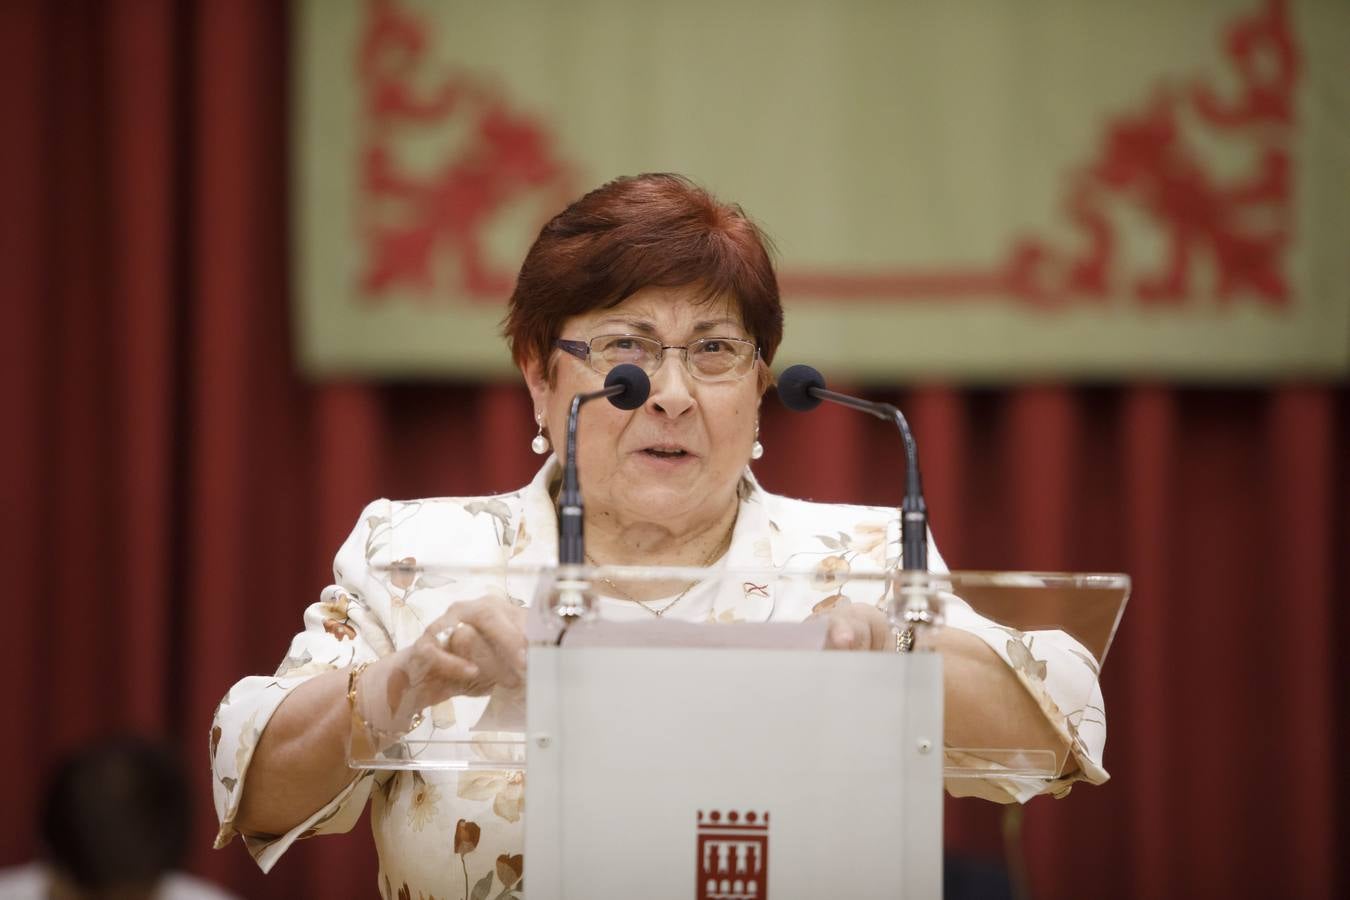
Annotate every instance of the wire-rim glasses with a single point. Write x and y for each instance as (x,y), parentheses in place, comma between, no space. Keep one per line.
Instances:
(706,359)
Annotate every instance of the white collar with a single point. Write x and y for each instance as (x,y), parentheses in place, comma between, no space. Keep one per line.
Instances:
(754,542)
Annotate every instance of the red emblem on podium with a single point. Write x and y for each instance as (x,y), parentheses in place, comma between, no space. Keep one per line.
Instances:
(733,855)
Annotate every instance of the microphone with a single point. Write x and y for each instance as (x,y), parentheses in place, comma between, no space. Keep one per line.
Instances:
(627,387)
(802,388)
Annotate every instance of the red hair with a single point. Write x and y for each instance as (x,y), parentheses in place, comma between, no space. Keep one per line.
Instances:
(655,230)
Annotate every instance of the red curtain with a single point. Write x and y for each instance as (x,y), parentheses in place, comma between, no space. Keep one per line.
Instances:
(174,490)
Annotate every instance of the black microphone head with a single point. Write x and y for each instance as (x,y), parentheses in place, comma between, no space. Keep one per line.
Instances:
(794,388)
(636,386)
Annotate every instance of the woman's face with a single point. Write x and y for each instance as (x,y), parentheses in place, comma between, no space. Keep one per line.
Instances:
(629,462)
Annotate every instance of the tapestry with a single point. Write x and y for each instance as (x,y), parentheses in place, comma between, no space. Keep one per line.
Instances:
(974,192)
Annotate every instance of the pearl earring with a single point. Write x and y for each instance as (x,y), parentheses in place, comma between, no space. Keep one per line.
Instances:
(756,449)
(540,443)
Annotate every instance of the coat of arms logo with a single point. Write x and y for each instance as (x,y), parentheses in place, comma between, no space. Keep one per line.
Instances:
(733,855)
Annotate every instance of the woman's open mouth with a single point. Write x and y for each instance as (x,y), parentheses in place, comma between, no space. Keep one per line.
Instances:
(666,454)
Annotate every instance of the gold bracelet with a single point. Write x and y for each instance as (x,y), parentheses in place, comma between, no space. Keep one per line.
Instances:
(360,744)
(353,674)
(357,719)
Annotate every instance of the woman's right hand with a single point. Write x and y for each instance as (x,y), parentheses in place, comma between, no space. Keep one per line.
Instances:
(485,654)
(485,650)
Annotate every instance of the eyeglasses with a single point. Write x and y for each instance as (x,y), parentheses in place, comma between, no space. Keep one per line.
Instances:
(707,359)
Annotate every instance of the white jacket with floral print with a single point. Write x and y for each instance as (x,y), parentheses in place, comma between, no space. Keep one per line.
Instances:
(460,835)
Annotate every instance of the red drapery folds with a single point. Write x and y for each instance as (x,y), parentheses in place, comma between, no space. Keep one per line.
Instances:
(173,492)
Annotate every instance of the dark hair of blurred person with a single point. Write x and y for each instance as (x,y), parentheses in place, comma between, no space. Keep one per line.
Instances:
(115,824)
(116,815)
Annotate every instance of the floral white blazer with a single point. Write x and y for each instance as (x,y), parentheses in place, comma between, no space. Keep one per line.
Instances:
(459,835)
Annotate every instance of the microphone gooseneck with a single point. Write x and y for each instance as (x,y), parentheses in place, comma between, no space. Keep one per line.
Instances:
(802,388)
(627,387)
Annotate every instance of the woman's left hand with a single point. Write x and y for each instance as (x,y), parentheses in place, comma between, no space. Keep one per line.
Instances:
(858,626)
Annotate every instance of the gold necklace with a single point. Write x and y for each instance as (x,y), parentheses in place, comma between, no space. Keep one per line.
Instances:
(721,548)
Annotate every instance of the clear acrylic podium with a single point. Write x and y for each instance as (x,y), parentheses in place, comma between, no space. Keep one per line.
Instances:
(730,761)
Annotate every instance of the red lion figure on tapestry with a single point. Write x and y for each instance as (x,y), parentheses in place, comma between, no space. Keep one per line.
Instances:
(415,223)
(1145,161)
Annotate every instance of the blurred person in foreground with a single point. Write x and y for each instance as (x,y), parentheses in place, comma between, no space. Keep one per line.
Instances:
(115,826)
(653,271)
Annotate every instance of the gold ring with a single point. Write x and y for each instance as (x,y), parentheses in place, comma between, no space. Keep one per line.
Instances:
(904,640)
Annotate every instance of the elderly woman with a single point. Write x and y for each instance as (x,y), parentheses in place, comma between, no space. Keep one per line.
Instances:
(649,270)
